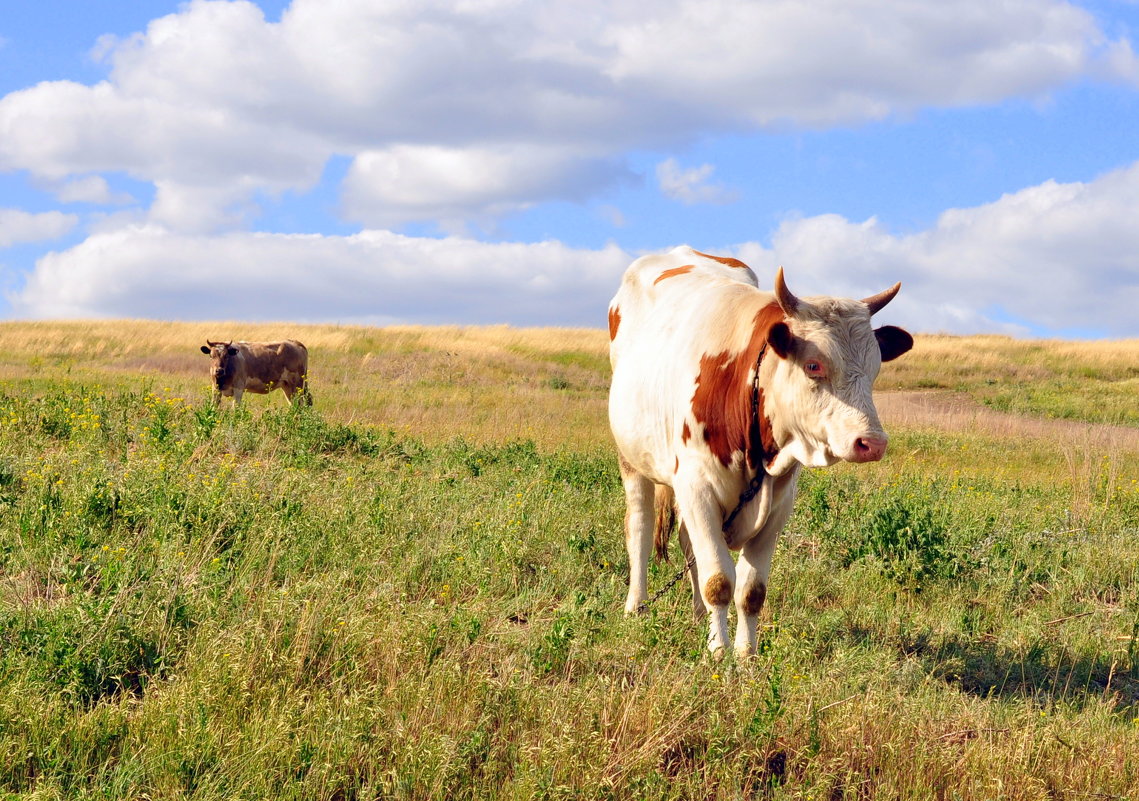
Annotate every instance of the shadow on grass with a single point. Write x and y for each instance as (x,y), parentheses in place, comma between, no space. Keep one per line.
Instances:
(1043,671)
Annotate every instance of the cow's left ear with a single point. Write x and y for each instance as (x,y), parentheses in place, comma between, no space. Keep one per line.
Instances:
(232,351)
(781,340)
(893,341)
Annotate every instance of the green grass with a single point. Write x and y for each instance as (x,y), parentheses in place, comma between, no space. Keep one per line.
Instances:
(271,604)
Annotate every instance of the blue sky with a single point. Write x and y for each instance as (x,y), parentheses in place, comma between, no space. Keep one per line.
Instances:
(491,161)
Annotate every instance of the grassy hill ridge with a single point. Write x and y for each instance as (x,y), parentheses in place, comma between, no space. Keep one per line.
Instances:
(504,381)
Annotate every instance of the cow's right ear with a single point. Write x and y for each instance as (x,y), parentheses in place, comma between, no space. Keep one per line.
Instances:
(893,341)
(781,340)
(205,350)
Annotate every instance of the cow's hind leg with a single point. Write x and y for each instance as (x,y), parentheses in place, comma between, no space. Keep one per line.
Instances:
(699,611)
(639,518)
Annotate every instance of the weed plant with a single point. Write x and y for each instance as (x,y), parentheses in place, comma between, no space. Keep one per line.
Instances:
(207,603)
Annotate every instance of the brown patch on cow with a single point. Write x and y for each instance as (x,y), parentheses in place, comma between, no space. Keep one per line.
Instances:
(685,433)
(718,590)
(722,400)
(627,468)
(725,260)
(676,467)
(675,271)
(614,321)
(753,600)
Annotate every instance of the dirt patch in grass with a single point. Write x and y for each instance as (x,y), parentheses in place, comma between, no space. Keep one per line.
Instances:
(954,411)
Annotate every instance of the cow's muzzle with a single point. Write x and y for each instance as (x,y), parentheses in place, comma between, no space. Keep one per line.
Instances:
(868,449)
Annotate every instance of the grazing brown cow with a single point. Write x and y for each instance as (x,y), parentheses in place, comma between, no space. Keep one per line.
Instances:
(260,367)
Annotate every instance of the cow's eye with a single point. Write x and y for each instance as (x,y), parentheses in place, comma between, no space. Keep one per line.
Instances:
(815,370)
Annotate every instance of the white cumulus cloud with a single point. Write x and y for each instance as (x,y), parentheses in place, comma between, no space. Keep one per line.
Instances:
(18,226)
(146,271)
(1054,257)
(91,189)
(690,186)
(217,104)
(404,183)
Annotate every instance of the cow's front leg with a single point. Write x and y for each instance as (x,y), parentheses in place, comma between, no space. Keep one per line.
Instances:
(754,566)
(714,567)
(639,519)
(752,572)
(237,393)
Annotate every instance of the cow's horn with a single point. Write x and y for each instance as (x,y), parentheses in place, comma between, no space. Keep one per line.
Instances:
(788,302)
(876,302)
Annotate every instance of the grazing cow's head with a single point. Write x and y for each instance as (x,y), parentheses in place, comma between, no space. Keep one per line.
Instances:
(829,356)
(221,362)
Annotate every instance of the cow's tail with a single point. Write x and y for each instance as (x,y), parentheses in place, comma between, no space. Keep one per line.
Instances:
(664,503)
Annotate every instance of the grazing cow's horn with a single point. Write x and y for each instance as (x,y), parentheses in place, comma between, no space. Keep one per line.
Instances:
(876,302)
(788,302)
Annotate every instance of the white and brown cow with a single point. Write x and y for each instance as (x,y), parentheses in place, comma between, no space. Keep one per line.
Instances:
(719,386)
(258,367)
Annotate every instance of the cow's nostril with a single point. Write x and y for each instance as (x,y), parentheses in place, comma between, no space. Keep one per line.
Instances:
(869,449)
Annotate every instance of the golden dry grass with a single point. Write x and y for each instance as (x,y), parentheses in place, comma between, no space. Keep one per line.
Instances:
(550,384)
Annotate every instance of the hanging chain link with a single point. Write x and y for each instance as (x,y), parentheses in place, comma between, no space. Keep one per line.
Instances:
(672,582)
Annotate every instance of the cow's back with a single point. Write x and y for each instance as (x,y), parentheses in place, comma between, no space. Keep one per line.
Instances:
(664,285)
(267,361)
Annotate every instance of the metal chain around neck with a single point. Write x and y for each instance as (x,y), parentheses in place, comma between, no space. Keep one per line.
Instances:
(756,482)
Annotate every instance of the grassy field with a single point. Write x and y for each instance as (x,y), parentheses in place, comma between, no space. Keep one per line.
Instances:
(413,590)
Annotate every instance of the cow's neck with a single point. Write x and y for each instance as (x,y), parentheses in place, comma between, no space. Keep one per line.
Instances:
(729,399)
(761,446)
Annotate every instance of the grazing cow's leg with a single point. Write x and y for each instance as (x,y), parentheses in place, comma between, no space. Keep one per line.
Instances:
(714,567)
(289,390)
(237,392)
(639,517)
(698,609)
